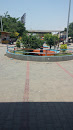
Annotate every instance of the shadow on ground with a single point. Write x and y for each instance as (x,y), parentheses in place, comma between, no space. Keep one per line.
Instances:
(36,116)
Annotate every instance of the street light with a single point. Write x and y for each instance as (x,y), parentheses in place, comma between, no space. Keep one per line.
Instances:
(68,21)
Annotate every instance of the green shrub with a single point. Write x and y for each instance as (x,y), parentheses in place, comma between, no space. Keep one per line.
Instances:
(18,43)
(63,47)
(31,41)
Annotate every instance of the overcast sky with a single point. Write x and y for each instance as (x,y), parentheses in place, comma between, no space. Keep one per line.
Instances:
(40,14)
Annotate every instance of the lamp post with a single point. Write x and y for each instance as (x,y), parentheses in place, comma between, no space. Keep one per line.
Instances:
(68,21)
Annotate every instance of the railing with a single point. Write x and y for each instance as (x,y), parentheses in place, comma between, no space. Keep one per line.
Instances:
(33,51)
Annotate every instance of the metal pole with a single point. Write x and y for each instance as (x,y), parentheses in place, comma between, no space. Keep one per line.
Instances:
(68,21)
(2,27)
(1,24)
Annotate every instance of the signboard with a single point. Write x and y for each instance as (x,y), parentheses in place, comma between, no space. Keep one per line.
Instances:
(23,18)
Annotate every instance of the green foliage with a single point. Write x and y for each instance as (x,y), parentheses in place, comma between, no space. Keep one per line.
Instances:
(63,47)
(31,41)
(25,40)
(51,39)
(65,29)
(55,39)
(63,54)
(14,35)
(70,30)
(48,38)
(13,25)
(18,43)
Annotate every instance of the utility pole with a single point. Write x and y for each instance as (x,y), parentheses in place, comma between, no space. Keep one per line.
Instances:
(1,24)
(68,21)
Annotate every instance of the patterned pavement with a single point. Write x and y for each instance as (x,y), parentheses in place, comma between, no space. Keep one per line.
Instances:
(35,95)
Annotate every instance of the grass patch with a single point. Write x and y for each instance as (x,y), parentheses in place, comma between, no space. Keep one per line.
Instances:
(63,54)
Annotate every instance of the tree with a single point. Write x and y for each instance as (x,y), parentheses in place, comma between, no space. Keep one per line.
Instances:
(65,29)
(31,41)
(18,43)
(13,25)
(16,34)
(70,34)
(51,40)
(25,40)
(20,28)
(55,40)
(71,30)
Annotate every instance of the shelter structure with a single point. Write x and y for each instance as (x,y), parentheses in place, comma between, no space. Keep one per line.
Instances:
(42,32)
(5,37)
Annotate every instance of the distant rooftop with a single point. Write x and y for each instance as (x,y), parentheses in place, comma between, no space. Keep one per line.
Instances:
(43,31)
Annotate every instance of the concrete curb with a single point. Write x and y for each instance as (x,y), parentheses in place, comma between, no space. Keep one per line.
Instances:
(39,58)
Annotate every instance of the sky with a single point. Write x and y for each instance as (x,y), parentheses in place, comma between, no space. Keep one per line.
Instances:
(40,14)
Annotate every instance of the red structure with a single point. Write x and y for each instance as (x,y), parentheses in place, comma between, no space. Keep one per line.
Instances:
(43,52)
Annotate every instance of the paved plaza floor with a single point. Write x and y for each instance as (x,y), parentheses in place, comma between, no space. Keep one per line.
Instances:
(35,95)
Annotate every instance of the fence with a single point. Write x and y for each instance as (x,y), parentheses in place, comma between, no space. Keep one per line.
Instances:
(39,52)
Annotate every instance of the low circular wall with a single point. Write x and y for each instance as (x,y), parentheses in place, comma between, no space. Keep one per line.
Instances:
(39,58)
